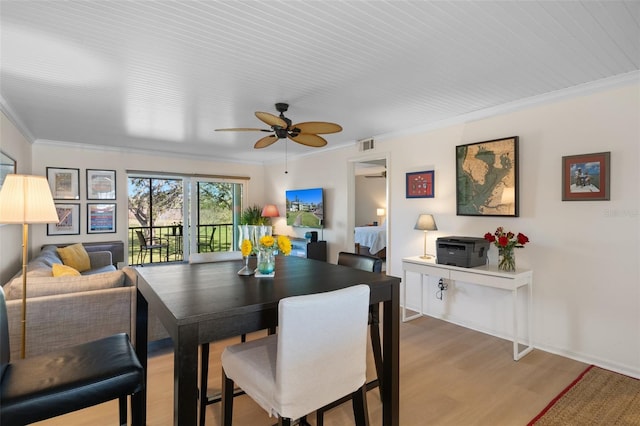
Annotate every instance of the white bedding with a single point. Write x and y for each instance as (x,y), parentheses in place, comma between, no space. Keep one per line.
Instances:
(374,237)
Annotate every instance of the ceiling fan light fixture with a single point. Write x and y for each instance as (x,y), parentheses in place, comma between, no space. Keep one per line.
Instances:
(305,133)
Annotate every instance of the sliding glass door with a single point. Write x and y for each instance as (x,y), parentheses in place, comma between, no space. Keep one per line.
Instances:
(215,215)
(170,217)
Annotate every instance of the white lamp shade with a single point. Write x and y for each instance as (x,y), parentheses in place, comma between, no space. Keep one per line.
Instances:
(270,210)
(26,199)
(379,212)
(426,222)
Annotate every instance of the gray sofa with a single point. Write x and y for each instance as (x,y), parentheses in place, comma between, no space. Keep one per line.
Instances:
(69,310)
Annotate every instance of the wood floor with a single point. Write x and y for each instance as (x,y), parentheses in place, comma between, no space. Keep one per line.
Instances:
(449,375)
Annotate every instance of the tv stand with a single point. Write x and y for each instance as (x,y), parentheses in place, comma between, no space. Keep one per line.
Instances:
(311,250)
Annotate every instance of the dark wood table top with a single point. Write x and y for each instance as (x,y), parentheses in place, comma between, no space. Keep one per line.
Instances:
(201,303)
(206,291)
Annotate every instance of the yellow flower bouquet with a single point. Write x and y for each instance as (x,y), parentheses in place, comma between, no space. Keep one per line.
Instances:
(265,251)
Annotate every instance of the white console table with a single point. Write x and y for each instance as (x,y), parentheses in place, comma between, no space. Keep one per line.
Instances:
(488,276)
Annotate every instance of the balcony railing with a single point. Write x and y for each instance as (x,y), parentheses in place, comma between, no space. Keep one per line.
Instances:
(172,239)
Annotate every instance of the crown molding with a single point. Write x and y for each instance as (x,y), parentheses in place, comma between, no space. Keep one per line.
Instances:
(584,89)
(8,111)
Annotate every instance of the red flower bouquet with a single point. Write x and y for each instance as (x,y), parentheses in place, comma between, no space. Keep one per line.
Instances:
(506,242)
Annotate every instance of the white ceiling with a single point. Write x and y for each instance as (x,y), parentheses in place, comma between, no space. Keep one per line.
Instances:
(162,75)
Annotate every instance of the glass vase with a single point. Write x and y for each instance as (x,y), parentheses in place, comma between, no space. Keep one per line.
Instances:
(506,259)
(245,269)
(266,262)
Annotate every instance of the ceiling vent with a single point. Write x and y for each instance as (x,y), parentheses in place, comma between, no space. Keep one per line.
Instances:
(366,144)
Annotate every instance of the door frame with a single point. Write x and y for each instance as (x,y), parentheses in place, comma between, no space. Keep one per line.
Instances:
(351,191)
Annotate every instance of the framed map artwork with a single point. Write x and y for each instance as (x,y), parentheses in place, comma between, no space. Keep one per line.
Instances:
(487,178)
(420,184)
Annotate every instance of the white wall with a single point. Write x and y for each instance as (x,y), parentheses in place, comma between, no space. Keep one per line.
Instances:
(585,255)
(14,144)
(48,154)
(370,195)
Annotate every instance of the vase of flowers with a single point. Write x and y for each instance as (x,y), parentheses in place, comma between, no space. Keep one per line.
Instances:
(506,242)
(266,261)
(246,249)
(266,250)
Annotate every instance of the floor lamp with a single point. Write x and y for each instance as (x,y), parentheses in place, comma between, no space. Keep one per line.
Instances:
(425,223)
(26,199)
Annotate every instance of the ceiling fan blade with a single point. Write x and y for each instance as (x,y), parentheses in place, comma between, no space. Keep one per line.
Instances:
(271,120)
(318,127)
(309,140)
(243,129)
(266,141)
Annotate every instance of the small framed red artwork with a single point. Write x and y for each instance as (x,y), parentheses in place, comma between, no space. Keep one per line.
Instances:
(420,184)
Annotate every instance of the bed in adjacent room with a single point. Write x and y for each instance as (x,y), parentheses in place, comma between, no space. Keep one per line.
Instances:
(371,240)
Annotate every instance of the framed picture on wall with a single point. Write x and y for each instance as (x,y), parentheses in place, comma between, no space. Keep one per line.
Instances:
(487,178)
(420,184)
(68,220)
(64,183)
(585,177)
(101,218)
(7,166)
(101,184)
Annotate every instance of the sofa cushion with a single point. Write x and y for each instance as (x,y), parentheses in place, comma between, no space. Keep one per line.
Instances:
(63,271)
(75,256)
(100,270)
(45,286)
(47,257)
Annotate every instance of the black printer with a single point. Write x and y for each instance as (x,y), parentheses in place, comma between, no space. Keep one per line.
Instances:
(466,252)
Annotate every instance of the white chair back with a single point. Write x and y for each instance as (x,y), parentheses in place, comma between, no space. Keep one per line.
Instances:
(321,352)
(216,256)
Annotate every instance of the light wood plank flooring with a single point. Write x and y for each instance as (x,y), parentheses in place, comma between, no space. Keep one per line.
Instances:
(449,376)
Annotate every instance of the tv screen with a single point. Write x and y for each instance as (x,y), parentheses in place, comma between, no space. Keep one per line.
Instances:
(305,208)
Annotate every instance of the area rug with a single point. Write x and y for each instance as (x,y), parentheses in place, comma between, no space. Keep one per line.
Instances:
(596,397)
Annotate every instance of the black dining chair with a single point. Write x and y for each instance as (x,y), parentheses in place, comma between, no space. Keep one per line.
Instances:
(370,264)
(45,386)
(207,243)
(150,244)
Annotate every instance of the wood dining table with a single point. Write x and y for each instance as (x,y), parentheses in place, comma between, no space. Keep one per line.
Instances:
(207,302)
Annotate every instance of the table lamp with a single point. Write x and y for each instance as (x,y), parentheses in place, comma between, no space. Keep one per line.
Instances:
(26,199)
(270,210)
(380,213)
(426,223)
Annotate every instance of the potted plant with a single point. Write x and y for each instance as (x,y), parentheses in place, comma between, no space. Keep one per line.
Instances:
(253,225)
(253,216)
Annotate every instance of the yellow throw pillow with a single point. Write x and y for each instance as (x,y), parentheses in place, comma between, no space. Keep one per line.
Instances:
(75,256)
(60,270)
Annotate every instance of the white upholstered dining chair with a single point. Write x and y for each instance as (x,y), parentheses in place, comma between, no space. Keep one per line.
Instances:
(317,356)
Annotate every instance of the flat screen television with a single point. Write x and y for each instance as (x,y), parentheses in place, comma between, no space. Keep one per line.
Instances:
(305,207)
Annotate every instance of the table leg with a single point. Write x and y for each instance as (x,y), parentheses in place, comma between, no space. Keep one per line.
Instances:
(406,318)
(514,293)
(391,359)
(517,354)
(185,373)
(139,400)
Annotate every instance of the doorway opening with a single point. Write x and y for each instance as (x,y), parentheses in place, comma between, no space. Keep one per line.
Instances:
(369,205)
